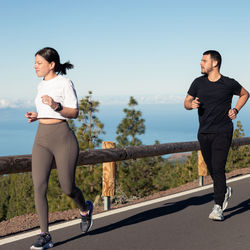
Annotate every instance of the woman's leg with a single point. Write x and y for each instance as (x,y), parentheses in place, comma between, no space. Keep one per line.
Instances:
(41,167)
(66,156)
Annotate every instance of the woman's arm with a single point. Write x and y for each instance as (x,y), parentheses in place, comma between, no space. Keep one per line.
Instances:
(66,112)
(69,112)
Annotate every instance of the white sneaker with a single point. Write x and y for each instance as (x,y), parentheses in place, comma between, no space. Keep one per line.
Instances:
(228,194)
(217,213)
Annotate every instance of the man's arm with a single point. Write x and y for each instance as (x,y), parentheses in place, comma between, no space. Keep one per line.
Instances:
(244,95)
(191,102)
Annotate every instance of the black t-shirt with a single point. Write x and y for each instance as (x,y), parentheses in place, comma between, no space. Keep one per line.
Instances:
(215,101)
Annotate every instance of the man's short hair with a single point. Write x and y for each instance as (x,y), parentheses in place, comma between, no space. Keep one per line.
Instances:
(215,55)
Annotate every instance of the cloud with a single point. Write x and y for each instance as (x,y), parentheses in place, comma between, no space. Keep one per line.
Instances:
(4,103)
(105,100)
(145,99)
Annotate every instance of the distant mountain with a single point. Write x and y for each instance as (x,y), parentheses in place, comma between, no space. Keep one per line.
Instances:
(178,157)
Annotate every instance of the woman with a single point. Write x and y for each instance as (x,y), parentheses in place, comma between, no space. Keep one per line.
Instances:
(56,101)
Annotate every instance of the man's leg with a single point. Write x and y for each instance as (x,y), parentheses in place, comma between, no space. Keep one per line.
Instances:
(220,148)
(205,141)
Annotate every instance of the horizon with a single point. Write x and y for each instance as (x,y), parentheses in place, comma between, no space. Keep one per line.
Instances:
(165,123)
(104,100)
(157,99)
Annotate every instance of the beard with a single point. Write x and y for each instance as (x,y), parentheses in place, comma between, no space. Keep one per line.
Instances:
(206,71)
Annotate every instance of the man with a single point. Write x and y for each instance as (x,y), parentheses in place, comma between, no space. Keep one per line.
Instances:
(212,95)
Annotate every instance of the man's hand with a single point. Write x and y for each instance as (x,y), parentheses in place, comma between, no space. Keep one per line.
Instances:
(191,102)
(195,103)
(232,114)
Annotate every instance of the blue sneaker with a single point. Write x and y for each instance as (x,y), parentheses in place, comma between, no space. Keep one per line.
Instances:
(87,221)
(44,241)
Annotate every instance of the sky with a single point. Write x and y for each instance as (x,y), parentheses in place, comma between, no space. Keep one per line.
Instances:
(150,49)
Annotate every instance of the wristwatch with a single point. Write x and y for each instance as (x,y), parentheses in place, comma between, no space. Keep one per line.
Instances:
(59,107)
(236,110)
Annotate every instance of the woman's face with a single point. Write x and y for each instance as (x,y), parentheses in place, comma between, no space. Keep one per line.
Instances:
(43,68)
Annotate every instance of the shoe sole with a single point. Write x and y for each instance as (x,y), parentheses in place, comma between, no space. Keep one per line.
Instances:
(216,219)
(225,203)
(92,209)
(47,246)
(90,225)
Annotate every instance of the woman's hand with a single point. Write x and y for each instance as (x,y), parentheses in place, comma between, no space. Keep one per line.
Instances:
(49,101)
(32,116)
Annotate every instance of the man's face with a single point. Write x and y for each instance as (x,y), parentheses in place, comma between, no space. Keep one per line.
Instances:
(206,64)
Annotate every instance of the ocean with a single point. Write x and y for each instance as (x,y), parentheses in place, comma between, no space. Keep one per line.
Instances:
(164,122)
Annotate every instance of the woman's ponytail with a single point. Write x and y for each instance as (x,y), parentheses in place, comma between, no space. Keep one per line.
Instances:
(62,68)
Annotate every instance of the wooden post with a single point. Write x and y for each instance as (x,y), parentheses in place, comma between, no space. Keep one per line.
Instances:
(202,168)
(108,177)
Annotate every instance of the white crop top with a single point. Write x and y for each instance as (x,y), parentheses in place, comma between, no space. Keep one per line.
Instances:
(61,90)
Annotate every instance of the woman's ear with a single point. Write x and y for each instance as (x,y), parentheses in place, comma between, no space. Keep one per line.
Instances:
(52,65)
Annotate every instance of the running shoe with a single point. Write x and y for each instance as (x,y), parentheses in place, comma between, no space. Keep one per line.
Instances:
(217,213)
(44,241)
(87,221)
(228,194)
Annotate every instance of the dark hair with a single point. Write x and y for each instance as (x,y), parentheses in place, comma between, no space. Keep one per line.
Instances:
(215,55)
(51,55)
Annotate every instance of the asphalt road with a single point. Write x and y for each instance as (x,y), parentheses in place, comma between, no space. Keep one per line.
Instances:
(178,223)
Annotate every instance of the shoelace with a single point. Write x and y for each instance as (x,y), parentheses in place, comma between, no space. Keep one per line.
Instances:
(85,217)
(42,238)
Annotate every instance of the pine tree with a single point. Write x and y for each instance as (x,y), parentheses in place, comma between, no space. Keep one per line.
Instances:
(21,200)
(88,135)
(190,168)
(135,177)
(5,196)
(238,157)
(239,131)
(131,126)
(90,130)
(72,125)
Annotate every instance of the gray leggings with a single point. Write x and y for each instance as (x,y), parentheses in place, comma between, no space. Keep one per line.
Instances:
(59,142)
